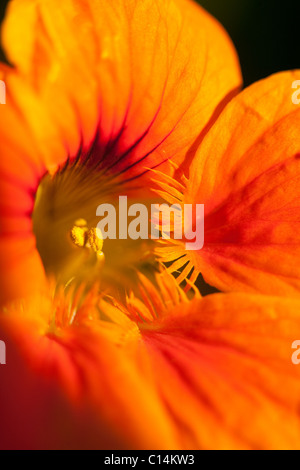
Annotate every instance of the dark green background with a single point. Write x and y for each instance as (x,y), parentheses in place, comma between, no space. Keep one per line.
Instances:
(266,33)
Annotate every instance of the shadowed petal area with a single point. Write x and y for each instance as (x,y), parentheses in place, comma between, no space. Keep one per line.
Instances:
(36,414)
(161,373)
(82,384)
(247,173)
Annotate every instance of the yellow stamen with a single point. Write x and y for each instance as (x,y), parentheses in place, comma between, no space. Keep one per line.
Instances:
(79,236)
(95,240)
(83,237)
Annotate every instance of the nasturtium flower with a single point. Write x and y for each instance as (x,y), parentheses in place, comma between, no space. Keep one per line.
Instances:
(98,93)
(104,348)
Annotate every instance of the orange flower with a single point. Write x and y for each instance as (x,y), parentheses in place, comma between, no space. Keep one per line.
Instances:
(246,172)
(106,89)
(100,95)
(164,374)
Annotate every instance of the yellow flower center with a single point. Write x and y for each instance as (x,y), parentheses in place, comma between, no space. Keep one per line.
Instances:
(71,246)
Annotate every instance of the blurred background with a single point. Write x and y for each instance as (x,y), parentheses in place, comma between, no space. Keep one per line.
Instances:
(266,33)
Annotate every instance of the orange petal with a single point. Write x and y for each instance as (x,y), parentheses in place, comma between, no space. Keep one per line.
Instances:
(220,364)
(247,173)
(202,374)
(36,412)
(21,169)
(80,386)
(148,78)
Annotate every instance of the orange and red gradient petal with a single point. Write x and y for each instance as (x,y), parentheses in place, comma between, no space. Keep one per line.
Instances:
(74,376)
(28,141)
(247,173)
(148,78)
(220,364)
(36,413)
(204,374)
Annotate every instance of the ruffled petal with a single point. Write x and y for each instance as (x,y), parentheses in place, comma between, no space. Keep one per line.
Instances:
(165,373)
(223,367)
(146,78)
(81,387)
(247,173)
